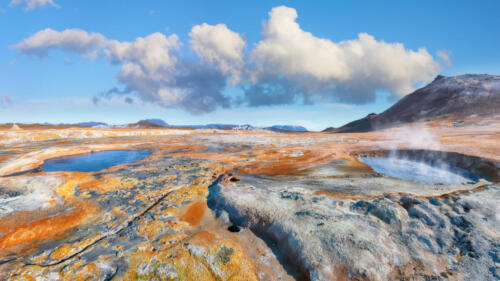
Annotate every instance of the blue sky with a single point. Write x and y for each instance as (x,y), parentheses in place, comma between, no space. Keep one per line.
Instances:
(60,87)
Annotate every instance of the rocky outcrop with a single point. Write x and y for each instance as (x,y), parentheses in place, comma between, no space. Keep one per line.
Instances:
(386,237)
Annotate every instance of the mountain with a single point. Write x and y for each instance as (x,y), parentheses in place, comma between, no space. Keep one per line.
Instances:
(158,122)
(90,124)
(245,127)
(453,98)
(458,96)
(287,128)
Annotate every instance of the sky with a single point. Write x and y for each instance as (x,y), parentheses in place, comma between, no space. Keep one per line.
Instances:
(310,63)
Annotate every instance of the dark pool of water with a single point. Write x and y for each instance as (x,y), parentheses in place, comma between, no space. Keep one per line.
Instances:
(93,162)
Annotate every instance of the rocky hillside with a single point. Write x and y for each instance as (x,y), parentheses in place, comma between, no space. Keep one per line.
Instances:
(453,97)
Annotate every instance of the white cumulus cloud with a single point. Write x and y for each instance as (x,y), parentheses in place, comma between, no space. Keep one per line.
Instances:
(152,68)
(32,4)
(75,40)
(151,59)
(355,69)
(217,44)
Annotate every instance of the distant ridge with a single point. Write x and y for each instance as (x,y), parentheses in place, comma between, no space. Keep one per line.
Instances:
(287,128)
(89,124)
(156,121)
(159,123)
(144,125)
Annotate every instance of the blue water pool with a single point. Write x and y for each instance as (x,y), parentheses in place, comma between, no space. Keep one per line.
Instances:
(92,162)
(418,171)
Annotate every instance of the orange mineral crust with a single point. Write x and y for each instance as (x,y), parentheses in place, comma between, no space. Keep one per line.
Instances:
(25,234)
(194,213)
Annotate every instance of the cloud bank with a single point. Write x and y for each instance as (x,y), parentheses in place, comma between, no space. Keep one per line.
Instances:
(287,65)
(32,4)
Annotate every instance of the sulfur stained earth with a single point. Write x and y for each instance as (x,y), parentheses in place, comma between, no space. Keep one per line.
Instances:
(299,206)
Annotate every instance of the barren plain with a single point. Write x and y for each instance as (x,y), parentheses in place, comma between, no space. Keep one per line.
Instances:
(250,205)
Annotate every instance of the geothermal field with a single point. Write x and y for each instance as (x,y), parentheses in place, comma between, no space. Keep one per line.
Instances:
(223,140)
(413,202)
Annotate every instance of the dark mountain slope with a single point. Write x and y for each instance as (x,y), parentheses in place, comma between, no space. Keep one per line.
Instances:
(453,97)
